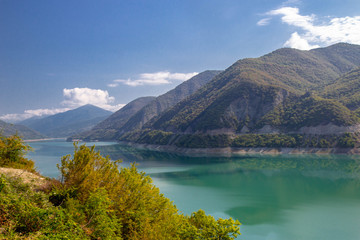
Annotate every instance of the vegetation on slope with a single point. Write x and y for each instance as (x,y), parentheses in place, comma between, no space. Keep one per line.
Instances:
(346,90)
(256,82)
(250,140)
(12,153)
(308,110)
(97,199)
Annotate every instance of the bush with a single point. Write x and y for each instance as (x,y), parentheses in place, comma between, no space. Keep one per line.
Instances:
(12,152)
(97,199)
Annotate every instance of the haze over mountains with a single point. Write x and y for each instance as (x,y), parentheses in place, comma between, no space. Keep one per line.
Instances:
(284,92)
(68,123)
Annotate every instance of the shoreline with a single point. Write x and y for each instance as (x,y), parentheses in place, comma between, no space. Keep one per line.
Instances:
(231,151)
(43,139)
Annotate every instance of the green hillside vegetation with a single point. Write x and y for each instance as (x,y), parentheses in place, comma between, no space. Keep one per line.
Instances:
(282,91)
(251,140)
(346,90)
(97,199)
(12,153)
(308,110)
(289,70)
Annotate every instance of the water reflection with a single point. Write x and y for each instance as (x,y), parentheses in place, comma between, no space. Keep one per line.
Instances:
(258,190)
(275,197)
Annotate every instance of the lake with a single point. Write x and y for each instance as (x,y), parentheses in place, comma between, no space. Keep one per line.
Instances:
(274,197)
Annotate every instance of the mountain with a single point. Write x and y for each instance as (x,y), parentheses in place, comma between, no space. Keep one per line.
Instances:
(70,122)
(107,129)
(8,129)
(167,100)
(122,122)
(278,93)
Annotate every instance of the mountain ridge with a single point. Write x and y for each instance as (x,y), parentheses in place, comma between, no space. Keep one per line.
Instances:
(69,122)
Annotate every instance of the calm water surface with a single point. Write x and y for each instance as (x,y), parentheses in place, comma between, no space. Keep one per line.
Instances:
(274,197)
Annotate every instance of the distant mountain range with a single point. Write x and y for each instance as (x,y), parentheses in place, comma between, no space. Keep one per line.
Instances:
(286,92)
(68,123)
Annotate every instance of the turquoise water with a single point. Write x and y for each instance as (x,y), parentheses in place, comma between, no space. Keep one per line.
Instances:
(275,197)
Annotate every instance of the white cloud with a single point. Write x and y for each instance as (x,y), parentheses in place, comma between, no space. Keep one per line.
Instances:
(74,98)
(296,41)
(13,118)
(77,97)
(112,85)
(291,2)
(263,22)
(314,34)
(157,78)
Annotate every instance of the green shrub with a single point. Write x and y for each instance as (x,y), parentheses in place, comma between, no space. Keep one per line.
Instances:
(12,152)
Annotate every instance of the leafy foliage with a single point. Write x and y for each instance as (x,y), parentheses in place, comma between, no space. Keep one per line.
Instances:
(98,199)
(12,152)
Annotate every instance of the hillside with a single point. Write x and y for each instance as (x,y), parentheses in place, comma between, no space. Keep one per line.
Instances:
(70,122)
(117,124)
(106,129)
(277,93)
(8,129)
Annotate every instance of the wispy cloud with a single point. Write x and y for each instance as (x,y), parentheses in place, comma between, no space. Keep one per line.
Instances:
(314,32)
(263,22)
(32,113)
(157,78)
(73,98)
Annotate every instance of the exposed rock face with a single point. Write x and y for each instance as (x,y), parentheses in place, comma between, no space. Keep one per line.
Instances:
(267,129)
(247,110)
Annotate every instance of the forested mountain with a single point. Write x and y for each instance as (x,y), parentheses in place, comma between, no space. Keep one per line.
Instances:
(286,91)
(71,122)
(8,129)
(125,121)
(250,89)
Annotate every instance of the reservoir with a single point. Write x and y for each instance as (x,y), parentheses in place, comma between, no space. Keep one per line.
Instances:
(275,197)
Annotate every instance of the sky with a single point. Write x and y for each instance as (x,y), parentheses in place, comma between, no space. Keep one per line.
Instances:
(56,55)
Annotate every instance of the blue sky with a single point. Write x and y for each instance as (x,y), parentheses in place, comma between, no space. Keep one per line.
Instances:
(60,54)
